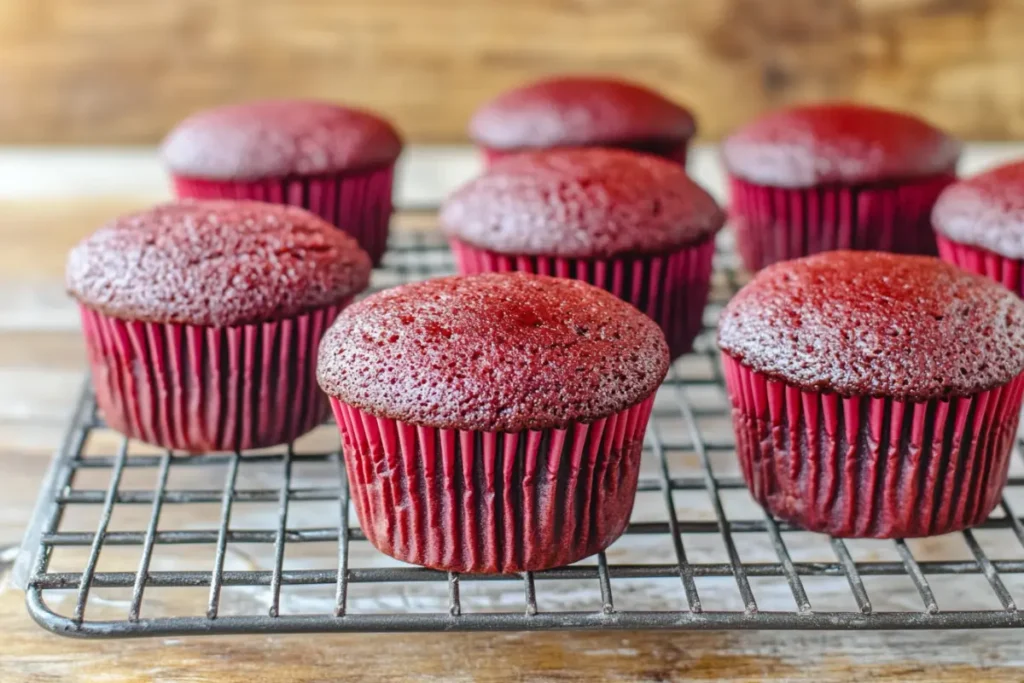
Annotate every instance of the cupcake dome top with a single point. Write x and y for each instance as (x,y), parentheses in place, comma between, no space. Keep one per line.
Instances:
(578,110)
(870,323)
(492,352)
(215,263)
(985,211)
(581,203)
(837,143)
(277,138)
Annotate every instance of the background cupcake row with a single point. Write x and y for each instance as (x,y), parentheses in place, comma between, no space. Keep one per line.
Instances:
(802,180)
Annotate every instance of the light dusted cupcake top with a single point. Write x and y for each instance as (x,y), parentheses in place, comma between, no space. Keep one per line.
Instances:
(493,352)
(276,138)
(876,324)
(581,203)
(216,263)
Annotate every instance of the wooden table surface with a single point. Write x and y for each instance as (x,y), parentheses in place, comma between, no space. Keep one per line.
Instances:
(81,71)
(41,362)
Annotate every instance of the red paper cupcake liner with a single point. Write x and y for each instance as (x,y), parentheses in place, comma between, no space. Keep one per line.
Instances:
(673,151)
(492,502)
(197,388)
(671,289)
(1009,272)
(777,224)
(872,467)
(358,203)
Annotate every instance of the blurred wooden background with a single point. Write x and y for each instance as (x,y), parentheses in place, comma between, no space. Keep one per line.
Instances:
(123,71)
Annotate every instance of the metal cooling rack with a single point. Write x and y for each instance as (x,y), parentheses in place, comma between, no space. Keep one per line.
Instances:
(756,572)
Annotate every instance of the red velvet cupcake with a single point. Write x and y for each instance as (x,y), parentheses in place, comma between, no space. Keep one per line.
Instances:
(874,395)
(835,176)
(202,320)
(492,423)
(630,223)
(579,111)
(980,225)
(334,161)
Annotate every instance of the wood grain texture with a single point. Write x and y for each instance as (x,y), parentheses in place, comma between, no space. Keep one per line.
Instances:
(28,653)
(109,71)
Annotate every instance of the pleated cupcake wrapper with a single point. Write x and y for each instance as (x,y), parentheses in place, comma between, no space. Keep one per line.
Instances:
(673,151)
(872,467)
(777,224)
(357,202)
(672,289)
(1009,272)
(198,388)
(492,502)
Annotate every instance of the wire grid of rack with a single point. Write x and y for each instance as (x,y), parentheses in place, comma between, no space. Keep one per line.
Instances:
(688,452)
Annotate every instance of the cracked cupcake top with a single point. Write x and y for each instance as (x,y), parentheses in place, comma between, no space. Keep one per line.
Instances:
(493,352)
(216,263)
(868,323)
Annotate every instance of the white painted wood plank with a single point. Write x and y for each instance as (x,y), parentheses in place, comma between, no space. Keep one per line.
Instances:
(426,172)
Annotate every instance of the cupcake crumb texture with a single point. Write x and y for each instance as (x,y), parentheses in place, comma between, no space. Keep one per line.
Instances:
(869,323)
(494,352)
(215,263)
(581,203)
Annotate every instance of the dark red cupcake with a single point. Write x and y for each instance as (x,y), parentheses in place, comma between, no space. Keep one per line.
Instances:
(334,161)
(874,395)
(492,423)
(580,111)
(202,320)
(835,176)
(629,223)
(980,225)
